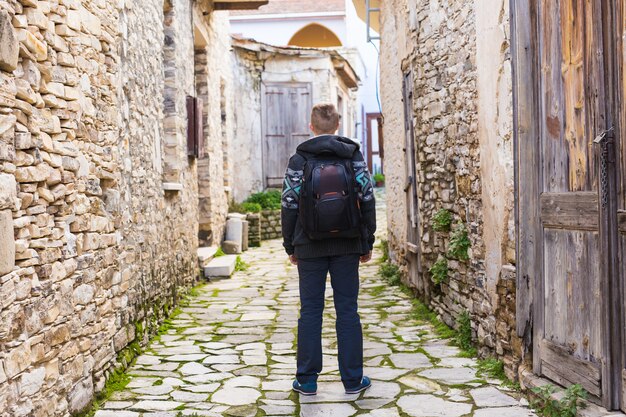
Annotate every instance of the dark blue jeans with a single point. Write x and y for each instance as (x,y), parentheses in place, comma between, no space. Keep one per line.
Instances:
(344,275)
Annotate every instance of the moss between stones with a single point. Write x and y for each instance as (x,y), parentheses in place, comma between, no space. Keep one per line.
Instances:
(420,312)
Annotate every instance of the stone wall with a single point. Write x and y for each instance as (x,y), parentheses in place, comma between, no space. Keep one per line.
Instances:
(458,57)
(215,170)
(270,225)
(254,229)
(92,247)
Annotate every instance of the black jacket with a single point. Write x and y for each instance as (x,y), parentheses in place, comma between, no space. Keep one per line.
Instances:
(295,239)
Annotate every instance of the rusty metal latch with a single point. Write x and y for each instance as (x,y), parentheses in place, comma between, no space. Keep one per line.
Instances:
(606,142)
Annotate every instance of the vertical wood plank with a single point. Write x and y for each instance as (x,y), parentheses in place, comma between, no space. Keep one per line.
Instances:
(573,70)
(529,242)
(555,160)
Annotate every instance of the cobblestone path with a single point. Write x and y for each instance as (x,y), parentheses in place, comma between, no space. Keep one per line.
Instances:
(231,352)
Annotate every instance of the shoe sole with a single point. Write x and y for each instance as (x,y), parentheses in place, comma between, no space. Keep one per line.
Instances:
(304,392)
(358,390)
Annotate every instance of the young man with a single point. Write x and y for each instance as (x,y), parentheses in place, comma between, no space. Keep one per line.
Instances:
(328,225)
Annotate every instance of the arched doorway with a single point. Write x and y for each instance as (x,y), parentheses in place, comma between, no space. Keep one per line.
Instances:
(315,35)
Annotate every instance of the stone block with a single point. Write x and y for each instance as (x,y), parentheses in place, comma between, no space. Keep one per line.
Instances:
(81,396)
(246,234)
(31,382)
(205,254)
(234,230)
(7,243)
(83,294)
(37,173)
(57,335)
(9,47)
(231,247)
(223,266)
(7,126)
(8,191)
(36,18)
(17,360)
(34,45)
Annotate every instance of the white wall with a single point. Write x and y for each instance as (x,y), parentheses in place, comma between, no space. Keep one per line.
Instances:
(278,31)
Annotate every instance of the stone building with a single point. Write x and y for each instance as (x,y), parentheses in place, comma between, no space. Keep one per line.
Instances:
(325,24)
(105,185)
(446,93)
(507,118)
(274,89)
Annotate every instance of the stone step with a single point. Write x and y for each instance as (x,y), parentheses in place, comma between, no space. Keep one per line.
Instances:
(221,267)
(205,255)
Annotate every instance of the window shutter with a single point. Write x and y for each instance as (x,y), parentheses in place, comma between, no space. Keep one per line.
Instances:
(200,146)
(191,126)
(195,128)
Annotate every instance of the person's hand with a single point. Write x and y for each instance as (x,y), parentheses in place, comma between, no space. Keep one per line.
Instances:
(293,259)
(366,258)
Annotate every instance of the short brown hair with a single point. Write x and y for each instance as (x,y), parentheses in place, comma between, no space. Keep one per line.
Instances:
(324,118)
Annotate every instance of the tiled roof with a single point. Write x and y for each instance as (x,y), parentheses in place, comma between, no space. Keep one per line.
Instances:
(295,6)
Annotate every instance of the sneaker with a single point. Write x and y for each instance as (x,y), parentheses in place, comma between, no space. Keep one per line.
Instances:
(310,388)
(365,384)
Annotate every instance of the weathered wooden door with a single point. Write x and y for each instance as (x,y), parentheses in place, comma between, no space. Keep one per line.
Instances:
(412,208)
(286,109)
(567,263)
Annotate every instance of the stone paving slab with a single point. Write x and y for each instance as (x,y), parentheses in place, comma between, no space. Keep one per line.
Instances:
(231,352)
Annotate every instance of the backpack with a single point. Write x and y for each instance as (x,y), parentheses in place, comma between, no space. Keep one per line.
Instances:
(329,203)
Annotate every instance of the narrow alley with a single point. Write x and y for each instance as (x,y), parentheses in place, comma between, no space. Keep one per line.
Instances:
(231,352)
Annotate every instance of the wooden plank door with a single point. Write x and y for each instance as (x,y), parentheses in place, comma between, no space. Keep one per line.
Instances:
(565,263)
(412,207)
(301,103)
(285,110)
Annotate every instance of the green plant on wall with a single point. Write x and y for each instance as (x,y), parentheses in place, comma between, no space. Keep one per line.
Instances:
(464,332)
(384,246)
(459,243)
(247,207)
(439,271)
(268,200)
(442,220)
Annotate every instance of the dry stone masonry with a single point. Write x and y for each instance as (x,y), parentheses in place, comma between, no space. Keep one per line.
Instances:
(456,57)
(93,251)
(270,225)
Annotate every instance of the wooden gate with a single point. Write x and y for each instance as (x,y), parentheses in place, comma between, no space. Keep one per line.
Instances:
(413,240)
(286,109)
(570,303)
